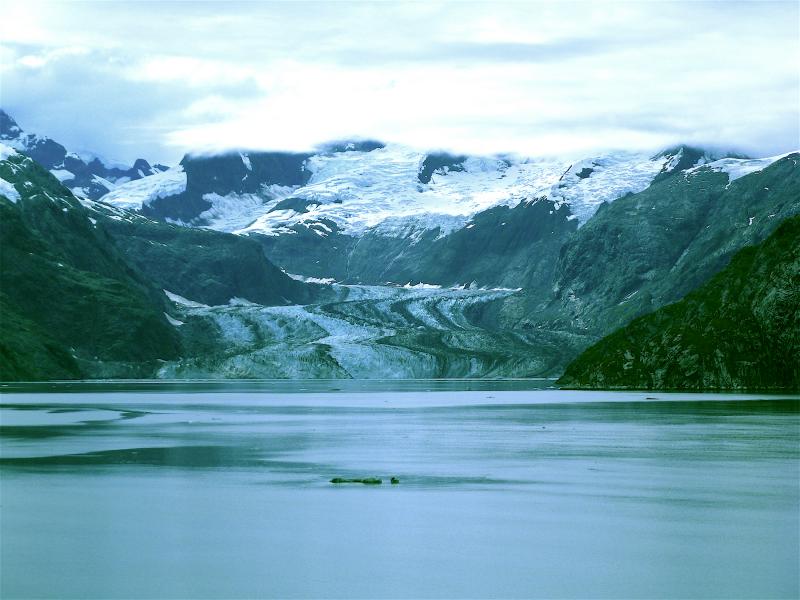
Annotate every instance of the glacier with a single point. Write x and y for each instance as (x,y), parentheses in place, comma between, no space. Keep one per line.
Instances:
(358,191)
(136,194)
(380,190)
(367,332)
(736,168)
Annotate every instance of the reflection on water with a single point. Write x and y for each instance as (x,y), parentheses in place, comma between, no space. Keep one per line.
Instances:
(283,386)
(133,491)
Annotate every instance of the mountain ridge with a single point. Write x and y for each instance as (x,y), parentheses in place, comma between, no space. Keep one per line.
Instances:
(88,178)
(738,331)
(499,282)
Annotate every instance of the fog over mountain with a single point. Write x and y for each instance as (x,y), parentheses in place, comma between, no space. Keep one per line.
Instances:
(161,79)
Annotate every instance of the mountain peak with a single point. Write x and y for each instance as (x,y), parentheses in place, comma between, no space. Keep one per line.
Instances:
(9,130)
(86,176)
(683,156)
(351,145)
(710,154)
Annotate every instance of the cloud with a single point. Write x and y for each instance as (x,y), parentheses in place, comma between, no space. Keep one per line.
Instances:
(159,79)
(191,71)
(88,102)
(469,53)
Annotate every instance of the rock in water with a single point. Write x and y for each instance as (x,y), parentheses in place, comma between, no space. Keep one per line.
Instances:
(366,480)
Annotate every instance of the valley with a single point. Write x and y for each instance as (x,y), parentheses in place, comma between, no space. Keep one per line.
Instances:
(364,260)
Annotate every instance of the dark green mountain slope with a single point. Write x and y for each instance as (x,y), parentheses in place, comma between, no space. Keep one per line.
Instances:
(27,352)
(503,246)
(648,249)
(206,266)
(741,330)
(86,177)
(81,286)
(69,299)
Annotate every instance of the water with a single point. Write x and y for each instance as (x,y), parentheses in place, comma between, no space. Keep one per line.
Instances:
(196,490)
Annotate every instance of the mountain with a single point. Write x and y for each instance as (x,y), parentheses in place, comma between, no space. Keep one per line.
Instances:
(69,298)
(649,249)
(379,213)
(368,217)
(740,330)
(93,290)
(364,259)
(86,176)
(360,188)
(208,266)
(83,283)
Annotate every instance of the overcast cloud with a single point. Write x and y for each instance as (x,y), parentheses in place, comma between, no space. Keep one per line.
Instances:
(158,79)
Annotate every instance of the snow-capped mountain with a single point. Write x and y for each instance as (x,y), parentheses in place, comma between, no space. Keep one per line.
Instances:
(364,259)
(392,187)
(387,188)
(86,175)
(373,213)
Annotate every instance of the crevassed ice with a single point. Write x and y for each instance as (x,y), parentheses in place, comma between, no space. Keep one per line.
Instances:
(346,332)
(360,191)
(380,190)
(612,177)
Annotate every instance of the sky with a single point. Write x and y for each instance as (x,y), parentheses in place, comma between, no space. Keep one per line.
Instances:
(159,79)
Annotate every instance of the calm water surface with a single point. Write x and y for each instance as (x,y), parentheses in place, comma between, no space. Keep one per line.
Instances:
(222,490)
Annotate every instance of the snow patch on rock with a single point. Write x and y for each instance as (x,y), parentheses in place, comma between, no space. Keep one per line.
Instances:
(6,151)
(8,190)
(140,192)
(62,174)
(183,301)
(736,168)
(172,321)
